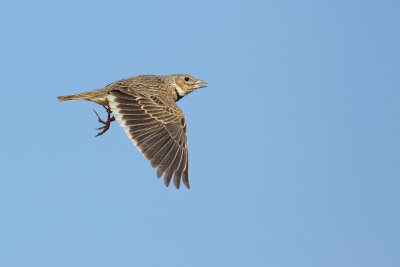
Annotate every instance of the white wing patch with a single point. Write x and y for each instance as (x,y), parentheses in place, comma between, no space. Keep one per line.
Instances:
(116,111)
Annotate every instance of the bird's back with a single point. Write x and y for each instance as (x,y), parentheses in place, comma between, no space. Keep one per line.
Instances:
(141,84)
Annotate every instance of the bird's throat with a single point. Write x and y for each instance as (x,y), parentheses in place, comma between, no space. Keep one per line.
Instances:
(178,96)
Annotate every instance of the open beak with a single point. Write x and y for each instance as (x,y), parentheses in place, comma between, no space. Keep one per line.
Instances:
(200,84)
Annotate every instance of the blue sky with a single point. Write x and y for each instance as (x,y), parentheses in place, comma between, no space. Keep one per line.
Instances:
(294,146)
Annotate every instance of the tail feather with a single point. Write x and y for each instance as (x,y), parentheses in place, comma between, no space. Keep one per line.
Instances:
(97,96)
(76,97)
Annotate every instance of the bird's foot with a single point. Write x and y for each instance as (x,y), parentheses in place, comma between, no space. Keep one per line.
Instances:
(107,123)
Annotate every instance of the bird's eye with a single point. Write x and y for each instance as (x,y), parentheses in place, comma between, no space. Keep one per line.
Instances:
(186,78)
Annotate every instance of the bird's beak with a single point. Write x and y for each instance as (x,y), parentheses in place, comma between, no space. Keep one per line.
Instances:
(200,84)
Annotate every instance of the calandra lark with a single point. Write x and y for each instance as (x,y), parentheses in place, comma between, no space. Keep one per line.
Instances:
(145,107)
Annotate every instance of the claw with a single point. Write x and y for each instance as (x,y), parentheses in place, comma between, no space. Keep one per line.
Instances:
(99,119)
(106,123)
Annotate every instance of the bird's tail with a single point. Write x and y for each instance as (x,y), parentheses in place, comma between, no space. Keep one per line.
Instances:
(83,96)
(98,96)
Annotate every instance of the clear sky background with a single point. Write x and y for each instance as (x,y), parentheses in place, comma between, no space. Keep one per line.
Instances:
(294,146)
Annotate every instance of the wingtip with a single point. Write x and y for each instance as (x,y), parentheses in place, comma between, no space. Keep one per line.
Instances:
(186,184)
(159,173)
(185,178)
(177,186)
(166,183)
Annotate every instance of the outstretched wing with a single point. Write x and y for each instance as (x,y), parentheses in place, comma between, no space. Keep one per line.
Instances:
(157,127)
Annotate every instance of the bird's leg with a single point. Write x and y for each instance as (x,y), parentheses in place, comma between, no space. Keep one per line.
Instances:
(106,123)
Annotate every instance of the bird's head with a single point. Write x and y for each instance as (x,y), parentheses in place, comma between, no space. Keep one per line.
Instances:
(184,84)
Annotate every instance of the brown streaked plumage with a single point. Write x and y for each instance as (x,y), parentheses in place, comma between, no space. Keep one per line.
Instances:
(145,107)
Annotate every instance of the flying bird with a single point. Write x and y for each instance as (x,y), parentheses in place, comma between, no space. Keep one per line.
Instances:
(145,107)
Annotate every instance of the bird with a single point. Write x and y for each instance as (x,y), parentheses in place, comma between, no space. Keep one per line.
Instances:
(145,107)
